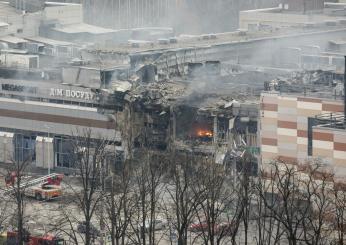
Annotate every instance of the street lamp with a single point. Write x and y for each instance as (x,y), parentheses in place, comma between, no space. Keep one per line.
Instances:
(48,128)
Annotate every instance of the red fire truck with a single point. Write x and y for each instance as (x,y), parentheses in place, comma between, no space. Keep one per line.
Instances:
(33,240)
(43,188)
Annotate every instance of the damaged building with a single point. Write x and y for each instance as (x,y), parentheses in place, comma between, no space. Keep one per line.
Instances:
(184,115)
(132,108)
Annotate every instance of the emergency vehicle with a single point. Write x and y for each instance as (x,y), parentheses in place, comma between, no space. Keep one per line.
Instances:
(10,238)
(44,188)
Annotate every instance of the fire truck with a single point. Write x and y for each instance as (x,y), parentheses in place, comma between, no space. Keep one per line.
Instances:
(10,238)
(44,188)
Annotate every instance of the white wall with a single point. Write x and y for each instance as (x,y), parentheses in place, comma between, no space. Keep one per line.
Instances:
(6,147)
(69,14)
(44,152)
(278,19)
(52,127)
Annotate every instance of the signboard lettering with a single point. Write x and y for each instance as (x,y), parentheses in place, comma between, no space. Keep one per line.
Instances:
(67,93)
(18,88)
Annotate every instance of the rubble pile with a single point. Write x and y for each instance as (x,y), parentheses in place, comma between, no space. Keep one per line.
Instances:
(303,81)
(160,93)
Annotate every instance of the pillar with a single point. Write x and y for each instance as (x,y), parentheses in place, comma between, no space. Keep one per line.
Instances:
(6,147)
(230,133)
(44,152)
(215,130)
(173,124)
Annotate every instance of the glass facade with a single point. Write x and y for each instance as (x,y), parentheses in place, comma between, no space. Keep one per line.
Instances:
(63,149)
(24,143)
(24,147)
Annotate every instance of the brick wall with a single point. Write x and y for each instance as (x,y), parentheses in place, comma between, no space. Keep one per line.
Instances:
(330,145)
(284,124)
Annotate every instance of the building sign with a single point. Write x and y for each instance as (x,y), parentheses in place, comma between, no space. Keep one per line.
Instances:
(19,88)
(67,93)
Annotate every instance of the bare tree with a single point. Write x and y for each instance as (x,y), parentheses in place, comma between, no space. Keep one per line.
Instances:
(268,228)
(246,192)
(317,188)
(339,215)
(183,199)
(120,205)
(65,225)
(17,186)
(287,205)
(5,213)
(220,209)
(87,157)
(148,175)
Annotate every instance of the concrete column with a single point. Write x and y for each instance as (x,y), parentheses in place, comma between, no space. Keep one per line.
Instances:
(173,124)
(230,133)
(247,136)
(6,147)
(44,152)
(215,131)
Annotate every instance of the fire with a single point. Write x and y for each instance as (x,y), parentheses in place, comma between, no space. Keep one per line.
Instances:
(204,133)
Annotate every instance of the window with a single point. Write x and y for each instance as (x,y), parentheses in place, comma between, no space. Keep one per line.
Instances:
(62,49)
(63,152)
(311,123)
(25,147)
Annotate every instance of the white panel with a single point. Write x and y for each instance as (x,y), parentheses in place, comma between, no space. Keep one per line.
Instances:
(283,98)
(302,141)
(327,145)
(340,155)
(287,132)
(269,148)
(269,127)
(287,146)
(301,119)
(310,105)
(287,110)
(340,172)
(270,114)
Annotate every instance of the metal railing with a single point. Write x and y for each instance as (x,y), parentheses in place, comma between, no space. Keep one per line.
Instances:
(31,183)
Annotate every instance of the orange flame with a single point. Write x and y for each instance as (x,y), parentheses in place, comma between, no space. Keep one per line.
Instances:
(204,133)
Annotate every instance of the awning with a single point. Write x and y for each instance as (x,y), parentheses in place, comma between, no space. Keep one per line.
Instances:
(49,41)
(13,39)
(83,28)
(3,24)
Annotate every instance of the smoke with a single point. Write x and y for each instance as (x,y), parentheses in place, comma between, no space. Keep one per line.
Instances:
(295,51)
(206,88)
(205,16)
(185,16)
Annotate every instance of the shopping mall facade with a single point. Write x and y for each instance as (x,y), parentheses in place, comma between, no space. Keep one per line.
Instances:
(38,118)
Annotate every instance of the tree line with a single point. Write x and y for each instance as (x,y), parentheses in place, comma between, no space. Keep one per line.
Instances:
(184,198)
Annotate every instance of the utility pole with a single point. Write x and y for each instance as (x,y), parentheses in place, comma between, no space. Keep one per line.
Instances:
(102,223)
(345,94)
(48,154)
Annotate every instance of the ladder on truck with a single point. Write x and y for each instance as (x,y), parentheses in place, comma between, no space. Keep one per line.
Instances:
(31,183)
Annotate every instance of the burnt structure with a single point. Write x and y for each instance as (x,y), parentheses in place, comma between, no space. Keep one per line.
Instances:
(186,116)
